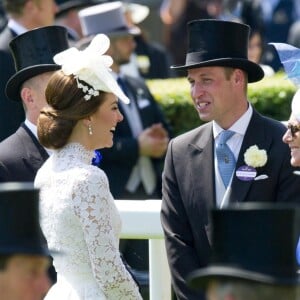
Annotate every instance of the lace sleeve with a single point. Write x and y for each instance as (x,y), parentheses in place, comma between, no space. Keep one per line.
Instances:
(94,206)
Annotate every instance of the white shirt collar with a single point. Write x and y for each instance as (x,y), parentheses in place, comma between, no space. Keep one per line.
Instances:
(16,27)
(240,126)
(31,127)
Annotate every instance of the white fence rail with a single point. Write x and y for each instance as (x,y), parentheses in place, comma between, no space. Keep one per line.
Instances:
(141,220)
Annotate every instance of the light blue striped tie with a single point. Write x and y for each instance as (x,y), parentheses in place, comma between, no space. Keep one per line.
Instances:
(226,159)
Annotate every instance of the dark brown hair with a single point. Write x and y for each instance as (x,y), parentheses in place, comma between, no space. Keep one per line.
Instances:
(66,107)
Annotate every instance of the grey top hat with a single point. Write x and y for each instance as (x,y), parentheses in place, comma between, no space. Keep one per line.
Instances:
(20,230)
(33,53)
(220,43)
(107,18)
(254,242)
(65,5)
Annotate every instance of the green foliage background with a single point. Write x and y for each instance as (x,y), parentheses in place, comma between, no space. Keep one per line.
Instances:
(271,96)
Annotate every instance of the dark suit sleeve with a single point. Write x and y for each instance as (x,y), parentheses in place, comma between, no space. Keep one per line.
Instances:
(12,112)
(282,185)
(179,239)
(4,174)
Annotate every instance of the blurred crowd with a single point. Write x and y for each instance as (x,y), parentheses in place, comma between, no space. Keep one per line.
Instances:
(163,25)
(274,20)
(145,39)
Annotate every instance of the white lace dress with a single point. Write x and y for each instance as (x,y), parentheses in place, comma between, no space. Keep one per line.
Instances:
(79,218)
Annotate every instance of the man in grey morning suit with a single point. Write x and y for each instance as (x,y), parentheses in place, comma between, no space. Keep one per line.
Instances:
(218,72)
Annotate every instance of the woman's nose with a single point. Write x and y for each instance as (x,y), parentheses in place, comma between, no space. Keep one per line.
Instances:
(287,137)
(120,117)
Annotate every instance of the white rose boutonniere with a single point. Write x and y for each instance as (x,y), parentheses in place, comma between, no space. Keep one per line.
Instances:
(255,157)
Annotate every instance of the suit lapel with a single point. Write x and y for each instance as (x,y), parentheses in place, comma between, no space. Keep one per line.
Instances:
(202,166)
(255,135)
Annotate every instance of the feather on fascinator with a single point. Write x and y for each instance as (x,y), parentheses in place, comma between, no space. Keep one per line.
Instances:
(92,67)
(290,58)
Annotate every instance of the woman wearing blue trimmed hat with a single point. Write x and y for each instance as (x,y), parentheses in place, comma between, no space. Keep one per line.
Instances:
(290,58)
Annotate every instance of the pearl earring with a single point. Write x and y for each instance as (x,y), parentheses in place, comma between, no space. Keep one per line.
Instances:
(90,129)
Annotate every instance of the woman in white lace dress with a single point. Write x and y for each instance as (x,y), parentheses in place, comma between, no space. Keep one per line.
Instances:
(78,214)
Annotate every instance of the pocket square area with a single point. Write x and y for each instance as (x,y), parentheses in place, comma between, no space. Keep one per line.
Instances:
(261,177)
(143,103)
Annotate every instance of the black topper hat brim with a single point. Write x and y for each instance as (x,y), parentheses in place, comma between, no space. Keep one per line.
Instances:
(13,86)
(255,72)
(200,279)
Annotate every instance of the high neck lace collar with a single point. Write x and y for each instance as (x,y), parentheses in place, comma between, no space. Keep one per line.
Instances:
(76,151)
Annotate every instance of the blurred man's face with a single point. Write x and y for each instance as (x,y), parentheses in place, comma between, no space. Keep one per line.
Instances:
(45,12)
(25,278)
(122,48)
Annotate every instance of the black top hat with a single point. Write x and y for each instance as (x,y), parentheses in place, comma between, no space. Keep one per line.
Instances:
(20,231)
(220,43)
(65,5)
(33,53)
(107,18)
(254,242)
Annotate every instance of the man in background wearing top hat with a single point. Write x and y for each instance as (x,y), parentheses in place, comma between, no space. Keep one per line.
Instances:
(24,255)
(134,163)
(202,170)
(255,260)
(67,16)
(21,155)
(150,59)
(22,15)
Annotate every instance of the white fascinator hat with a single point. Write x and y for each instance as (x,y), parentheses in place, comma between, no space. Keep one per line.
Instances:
(91,66)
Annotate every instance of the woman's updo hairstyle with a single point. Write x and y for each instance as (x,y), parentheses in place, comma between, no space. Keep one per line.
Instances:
(66,107)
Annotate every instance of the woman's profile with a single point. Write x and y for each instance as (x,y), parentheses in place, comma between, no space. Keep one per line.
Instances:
(78,214)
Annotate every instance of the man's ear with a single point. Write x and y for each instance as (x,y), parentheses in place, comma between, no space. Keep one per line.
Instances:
(239,76)
(26,95)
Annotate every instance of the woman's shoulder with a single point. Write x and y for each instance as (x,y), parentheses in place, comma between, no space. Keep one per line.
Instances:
(93,171)
(90,175)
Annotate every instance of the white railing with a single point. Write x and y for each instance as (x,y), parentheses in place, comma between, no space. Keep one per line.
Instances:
(141,220)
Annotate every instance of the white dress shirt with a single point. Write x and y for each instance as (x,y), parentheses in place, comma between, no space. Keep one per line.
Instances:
(16,27)
(143,171)
(234,143)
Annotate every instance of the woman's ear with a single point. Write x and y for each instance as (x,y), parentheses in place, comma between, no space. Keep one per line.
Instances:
(87,121)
